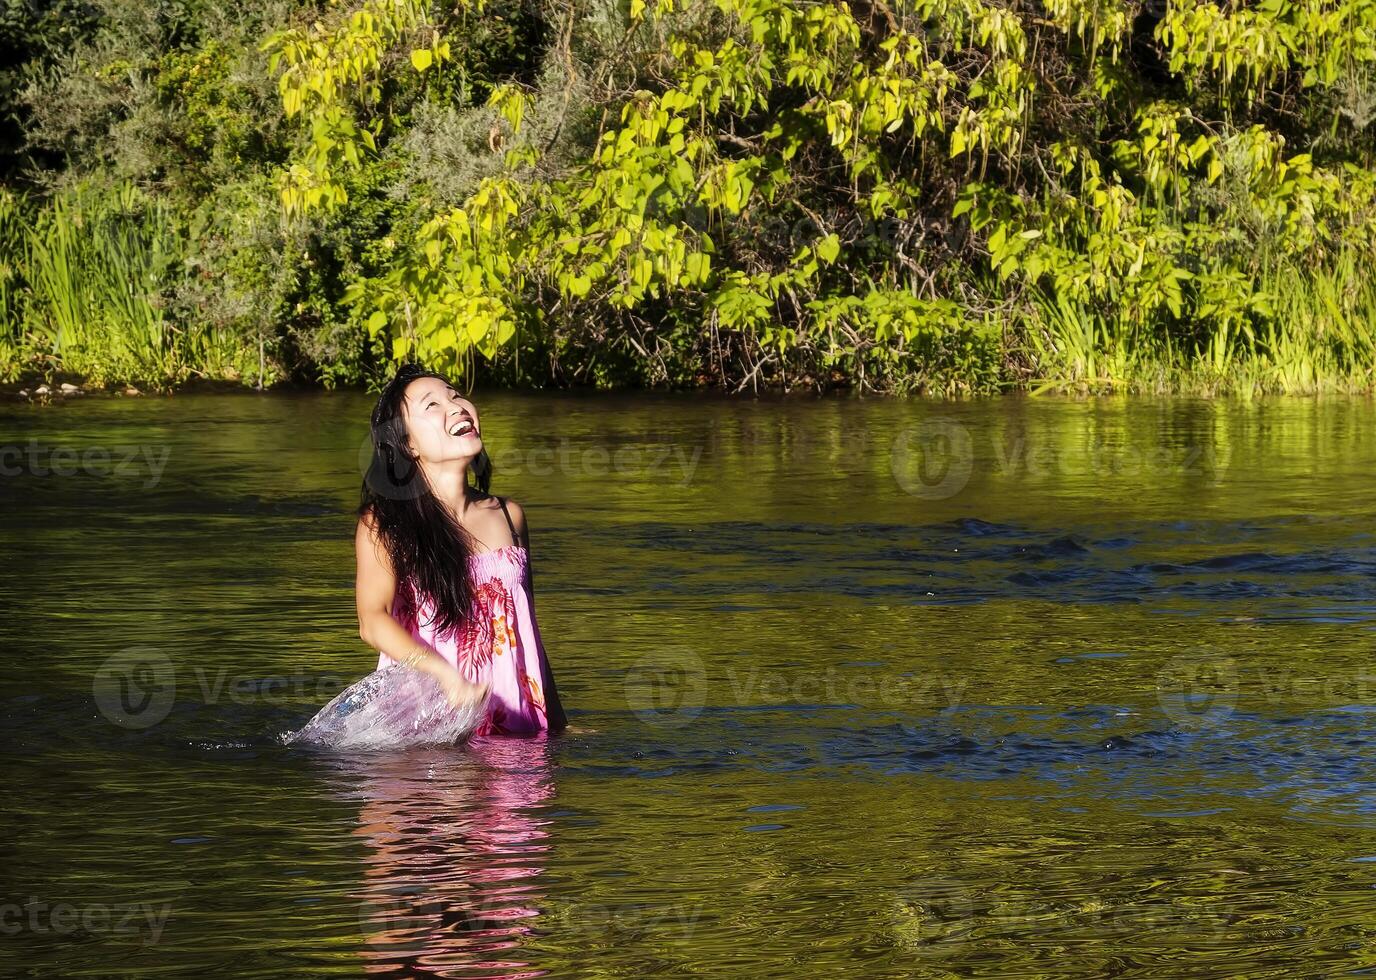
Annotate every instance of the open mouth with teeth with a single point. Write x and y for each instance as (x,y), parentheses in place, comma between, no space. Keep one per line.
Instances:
(462,427)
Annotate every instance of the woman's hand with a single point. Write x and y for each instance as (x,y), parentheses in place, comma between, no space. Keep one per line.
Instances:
(460,691)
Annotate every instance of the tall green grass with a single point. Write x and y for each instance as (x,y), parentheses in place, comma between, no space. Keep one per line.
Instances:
(1317,334)
(106,283)
(1076,348)
(100,264)
(14,264)
(1324,332)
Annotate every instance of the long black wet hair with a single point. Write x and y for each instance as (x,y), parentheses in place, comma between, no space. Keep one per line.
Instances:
(428,548)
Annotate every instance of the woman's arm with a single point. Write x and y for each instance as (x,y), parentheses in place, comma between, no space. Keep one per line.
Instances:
(375,585)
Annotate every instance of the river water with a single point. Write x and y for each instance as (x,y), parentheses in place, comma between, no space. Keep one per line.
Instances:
(872,688)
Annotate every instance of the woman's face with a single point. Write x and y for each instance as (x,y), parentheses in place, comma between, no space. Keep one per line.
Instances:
(441,423)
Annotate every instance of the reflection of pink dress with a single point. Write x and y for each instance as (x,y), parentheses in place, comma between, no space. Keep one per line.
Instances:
(523,699)
(451,882)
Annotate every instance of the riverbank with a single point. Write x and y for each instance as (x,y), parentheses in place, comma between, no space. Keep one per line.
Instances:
(956,199)
(1250,379)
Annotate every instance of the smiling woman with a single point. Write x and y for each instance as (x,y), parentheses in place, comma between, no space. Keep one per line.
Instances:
(434,592)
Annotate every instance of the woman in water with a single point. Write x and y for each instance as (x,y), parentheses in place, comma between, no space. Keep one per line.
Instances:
(437,590)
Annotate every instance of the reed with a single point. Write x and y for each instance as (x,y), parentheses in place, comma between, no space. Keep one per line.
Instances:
(14,264)
(1315,331)
(100,262)
(1324,333)
(1076,347)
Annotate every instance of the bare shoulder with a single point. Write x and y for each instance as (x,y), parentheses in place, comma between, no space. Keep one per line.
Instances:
(518,515)
(518,522)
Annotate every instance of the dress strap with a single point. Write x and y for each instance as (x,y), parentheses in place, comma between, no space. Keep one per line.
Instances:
(514,539)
